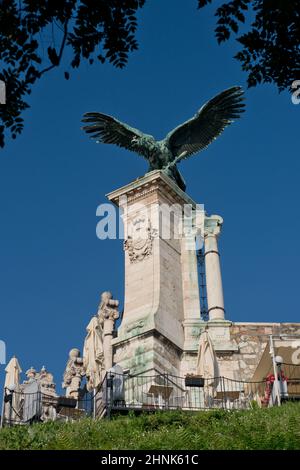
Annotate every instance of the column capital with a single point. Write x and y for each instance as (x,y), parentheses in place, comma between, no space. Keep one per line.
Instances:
(212,225)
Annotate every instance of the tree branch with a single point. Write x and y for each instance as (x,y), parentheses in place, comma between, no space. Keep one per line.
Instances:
(62,46)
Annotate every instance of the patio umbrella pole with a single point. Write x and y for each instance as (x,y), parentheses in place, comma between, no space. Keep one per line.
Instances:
(2,409)
(94,404)
(276,383)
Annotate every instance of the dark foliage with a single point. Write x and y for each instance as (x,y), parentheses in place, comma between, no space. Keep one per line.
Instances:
(34,35)
(276,428)
(271,48)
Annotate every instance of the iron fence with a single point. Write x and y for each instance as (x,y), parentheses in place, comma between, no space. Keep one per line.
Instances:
(168,392)
(18,408)
(147,393)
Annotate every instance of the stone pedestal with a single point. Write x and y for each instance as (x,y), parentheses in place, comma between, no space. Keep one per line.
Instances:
(161,281)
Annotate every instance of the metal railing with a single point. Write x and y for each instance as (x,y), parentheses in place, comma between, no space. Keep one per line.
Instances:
(147,393)
(18,408)
(168,392)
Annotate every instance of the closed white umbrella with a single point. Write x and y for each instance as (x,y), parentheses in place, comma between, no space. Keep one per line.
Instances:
(13,371)
(93,357)
(207,365)
(12,382)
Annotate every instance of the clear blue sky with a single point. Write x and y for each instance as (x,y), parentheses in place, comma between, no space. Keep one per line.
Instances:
(52,178)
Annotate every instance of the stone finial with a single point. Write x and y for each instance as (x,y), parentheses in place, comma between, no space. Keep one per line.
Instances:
(31,373)
(46,381)
(73,374)
(44,378)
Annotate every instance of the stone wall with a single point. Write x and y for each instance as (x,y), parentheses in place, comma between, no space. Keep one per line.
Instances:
(239,346)
(251,340)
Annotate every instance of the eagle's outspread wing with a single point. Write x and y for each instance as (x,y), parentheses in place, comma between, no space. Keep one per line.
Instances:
(109,130)
(210,121)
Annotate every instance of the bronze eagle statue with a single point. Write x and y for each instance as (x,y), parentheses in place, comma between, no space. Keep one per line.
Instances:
(185,140)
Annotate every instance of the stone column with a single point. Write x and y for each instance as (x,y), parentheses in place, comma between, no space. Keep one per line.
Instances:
(108,328)
(214,289)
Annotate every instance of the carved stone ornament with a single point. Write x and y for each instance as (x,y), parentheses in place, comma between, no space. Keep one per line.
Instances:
(73,374)
(108,308)
(139,242)
(44,378)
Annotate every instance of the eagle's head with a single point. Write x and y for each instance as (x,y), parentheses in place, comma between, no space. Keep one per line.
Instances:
(147,142)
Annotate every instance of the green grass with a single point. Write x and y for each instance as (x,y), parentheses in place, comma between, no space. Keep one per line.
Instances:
(275,428)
